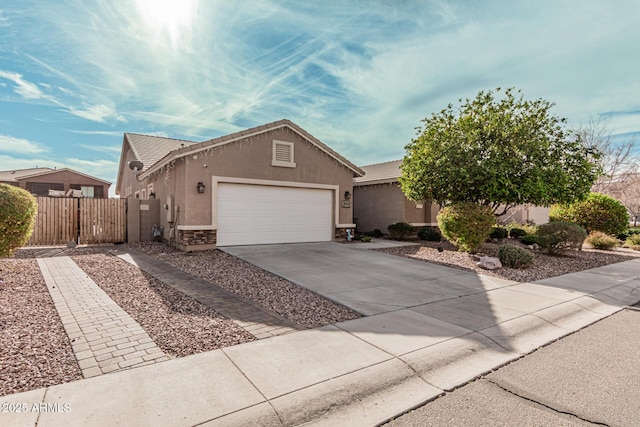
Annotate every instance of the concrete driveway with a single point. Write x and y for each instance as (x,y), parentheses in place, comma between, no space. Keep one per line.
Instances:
(410,304)
(367,281)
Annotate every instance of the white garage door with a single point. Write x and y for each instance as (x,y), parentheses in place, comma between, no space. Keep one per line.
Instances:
(259,214)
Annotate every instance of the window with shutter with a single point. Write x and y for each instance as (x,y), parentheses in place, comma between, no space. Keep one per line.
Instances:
(283,154)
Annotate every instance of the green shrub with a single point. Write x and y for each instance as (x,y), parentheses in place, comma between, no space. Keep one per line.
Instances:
(600,240)
(429,234)
(18,211)
(515,257)
(528,239)
(374,233)
(627,233)
(499,232)
(517,233)
(633,242)
(531,229)
(365,238)
(598,212)
(557,235)
(401,230)
(466,225)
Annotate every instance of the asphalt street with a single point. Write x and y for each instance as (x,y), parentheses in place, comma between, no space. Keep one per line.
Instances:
(588,378)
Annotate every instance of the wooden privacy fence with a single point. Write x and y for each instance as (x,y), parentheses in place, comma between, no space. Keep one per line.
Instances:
(62,220)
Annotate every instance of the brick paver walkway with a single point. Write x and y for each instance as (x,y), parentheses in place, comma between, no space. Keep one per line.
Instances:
(103,336)
(257,320)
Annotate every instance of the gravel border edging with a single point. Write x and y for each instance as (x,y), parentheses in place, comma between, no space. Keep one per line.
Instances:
(178,324)
(289,300)
(544,265)
(35,351)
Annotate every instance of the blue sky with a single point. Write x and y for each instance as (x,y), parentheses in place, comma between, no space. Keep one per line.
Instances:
(359,75)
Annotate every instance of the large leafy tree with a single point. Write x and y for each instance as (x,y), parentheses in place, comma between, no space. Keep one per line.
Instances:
(499,153)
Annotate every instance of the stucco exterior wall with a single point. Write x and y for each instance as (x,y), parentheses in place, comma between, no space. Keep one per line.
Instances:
(420,216)
(251,159)
(128,180)
(142,215)
(378,206)
(523,214)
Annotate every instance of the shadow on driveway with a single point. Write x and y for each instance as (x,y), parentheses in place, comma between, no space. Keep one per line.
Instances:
(411,305)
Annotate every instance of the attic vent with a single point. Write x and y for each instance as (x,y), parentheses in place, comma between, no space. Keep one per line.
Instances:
(283,154)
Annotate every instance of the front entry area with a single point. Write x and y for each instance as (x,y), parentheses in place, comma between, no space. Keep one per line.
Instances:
(264,214)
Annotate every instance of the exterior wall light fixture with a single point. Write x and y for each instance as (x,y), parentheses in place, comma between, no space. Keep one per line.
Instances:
(200,187)
(347,195)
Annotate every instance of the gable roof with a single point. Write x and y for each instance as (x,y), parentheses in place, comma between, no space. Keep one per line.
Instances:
(149,149)
(15,175)
(21,174)
(194,148)
(380,173)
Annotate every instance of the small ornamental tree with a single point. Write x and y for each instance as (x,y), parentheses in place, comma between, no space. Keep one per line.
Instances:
(466,225)
(598,212)
(498,153)
(18,211)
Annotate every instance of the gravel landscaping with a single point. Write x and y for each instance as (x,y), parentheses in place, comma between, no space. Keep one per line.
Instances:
(34,348)
(544,265)
(178,324)
(283,297)
(35,351)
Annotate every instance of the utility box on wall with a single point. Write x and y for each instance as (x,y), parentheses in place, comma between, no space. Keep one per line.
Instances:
(142,215)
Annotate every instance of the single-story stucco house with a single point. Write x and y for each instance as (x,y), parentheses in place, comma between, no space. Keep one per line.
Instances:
(62,182)
(274,183)
(380,202)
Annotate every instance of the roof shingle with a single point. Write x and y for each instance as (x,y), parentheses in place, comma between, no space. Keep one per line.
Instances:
(380,173)
(13,175)
(149,149)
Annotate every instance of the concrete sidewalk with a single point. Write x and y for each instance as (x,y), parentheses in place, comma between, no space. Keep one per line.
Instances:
(360,372)
(589,378)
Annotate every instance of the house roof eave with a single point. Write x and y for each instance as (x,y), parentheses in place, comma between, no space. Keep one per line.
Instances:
(238,136)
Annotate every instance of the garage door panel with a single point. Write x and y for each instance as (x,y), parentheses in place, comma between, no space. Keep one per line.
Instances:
(255,214)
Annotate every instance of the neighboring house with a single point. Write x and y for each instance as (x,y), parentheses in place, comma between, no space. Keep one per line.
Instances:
(274,183)
(56,182)
(526,214)
(379,201)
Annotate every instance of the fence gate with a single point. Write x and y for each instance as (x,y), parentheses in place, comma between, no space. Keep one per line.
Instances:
(102,221)
(62,220)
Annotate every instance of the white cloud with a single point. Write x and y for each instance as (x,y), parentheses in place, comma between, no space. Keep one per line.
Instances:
(160,133)
(23,88)
(97,113)
(107,149)
(98,132)
(13,163)
(4,21)
(359,78)
(20,145)
(99,167)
